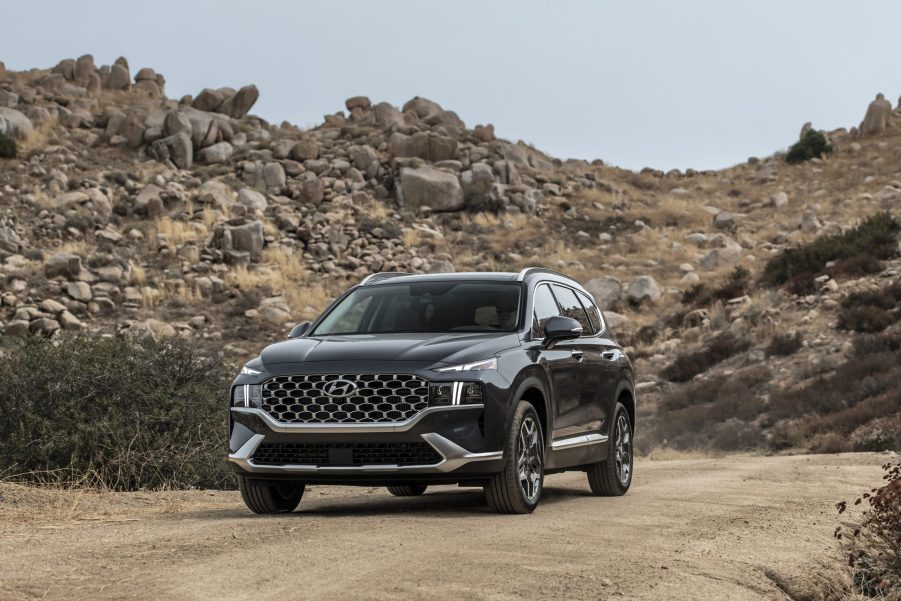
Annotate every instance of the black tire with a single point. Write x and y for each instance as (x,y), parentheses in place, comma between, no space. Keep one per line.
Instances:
(506,492)
(270,498)
(407,490)
(607,478)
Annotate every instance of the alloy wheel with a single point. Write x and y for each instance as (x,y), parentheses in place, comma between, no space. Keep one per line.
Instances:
(623,456)
(529,459)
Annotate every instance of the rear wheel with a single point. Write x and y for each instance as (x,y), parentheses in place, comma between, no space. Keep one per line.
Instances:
(613,476)
(517,489)
(407,490)
(281,497)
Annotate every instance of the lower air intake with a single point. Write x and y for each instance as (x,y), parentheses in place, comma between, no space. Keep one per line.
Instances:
(341,454)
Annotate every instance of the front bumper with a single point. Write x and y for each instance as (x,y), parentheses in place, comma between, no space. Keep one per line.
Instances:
(456,433)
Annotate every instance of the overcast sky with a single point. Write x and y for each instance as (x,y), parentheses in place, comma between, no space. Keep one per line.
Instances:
(701,84)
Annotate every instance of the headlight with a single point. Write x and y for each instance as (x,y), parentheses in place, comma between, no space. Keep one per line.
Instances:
(476,366)
(248,395)
(442,394)
(249,371)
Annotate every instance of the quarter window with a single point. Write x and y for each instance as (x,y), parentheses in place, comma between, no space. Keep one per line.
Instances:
(594,314)
(573,308)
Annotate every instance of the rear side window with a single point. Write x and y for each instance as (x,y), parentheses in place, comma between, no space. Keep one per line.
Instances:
(573,308)
(545,308)
(594,314)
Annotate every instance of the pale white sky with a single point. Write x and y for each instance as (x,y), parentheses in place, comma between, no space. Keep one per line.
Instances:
(701,84)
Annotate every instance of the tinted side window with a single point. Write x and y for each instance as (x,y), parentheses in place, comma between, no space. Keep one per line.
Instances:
(594,315)
(572,307)
(545,308)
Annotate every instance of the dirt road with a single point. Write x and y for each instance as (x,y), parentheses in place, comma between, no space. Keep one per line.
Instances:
(688,529)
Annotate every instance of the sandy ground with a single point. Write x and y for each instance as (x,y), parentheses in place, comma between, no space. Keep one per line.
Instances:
(688,529)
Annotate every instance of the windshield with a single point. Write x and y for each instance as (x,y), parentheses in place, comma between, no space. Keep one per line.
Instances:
(434,307)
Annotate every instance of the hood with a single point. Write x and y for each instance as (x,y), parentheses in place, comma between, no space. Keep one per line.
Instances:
(448,348)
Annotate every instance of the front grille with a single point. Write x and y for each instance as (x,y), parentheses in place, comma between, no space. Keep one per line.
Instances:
(344,399)
(346,453)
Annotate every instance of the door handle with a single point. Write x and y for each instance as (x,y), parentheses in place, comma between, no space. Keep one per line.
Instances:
(577,354)
(612,355)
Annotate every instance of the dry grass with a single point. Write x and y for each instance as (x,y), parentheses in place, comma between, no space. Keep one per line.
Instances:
(412,238)
(39,136)
(137,273)
(179,232)
(283,273)
(684,212)
(74,247)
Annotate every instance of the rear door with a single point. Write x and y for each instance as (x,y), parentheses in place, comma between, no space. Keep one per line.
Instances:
(602,366)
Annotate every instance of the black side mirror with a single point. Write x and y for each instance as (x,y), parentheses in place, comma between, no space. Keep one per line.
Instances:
(300,329)
(559,328)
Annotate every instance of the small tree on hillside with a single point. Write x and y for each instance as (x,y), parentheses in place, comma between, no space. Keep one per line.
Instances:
(813,144)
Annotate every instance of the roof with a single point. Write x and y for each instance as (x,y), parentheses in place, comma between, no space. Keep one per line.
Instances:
(475,276)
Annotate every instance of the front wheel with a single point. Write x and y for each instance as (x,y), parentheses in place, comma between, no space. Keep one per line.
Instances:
(281,497)
(517,489)
(613,476)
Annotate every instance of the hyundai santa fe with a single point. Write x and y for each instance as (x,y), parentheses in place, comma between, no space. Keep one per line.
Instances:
(405,381)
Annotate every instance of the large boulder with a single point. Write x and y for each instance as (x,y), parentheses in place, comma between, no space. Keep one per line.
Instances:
(63,265)
(422,107)
(428,187)
(14,124)
(248,238)
(274,177)
(217,193)
(387,116)
(119,78)
(876,119)
(220,152)
(84,67)
(252,199)
(8,99)
(363,156)
(208,100)
(644,288)
(177,149)
(240,104)
(607,291)
(305,150)
(424,145)
(478,183)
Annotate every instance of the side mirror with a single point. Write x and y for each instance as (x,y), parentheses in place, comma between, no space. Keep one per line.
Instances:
(300,329)
(559,328)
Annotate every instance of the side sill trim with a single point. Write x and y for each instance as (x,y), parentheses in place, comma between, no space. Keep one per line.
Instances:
(578,441)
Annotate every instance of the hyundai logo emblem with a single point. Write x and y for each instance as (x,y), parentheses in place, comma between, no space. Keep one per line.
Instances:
(339,388)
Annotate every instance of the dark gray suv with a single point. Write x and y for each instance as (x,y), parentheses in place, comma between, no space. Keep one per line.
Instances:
(478,379)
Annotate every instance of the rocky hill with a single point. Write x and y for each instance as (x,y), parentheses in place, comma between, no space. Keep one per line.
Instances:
(126,210)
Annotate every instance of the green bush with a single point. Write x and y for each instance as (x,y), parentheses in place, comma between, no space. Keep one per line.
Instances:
(687,366)
(812,144)
(124,413)
(870,311)
(8,148)
(785,344)
(874,238)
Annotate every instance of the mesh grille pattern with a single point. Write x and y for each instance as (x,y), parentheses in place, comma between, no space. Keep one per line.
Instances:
(346,453)
(345,399)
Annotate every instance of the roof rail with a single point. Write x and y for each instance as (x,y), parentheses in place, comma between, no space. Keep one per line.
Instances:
(382,275)
(526,271)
